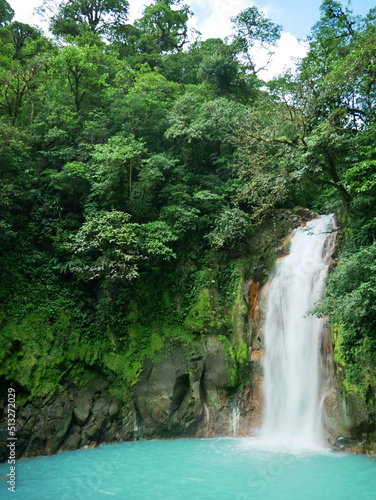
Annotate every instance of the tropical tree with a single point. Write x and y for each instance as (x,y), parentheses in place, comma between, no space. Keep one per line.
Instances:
(308,129)
(165,27)
(16,87)
(253,26)
(6,13)
(77,67)
(74,17)
(114,165)
(253,29)
(27,41)
(105,247)
(204,131)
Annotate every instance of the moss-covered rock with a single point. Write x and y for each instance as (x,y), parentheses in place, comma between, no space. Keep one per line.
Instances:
(204,316)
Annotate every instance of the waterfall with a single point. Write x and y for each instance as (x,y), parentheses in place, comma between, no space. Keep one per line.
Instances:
(207,419)
(291,336)
(234,417)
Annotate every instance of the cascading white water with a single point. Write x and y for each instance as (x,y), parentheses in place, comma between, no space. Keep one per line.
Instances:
(234,418)
(291,364)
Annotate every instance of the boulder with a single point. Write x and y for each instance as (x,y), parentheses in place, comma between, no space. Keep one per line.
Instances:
(82,406)
(346,419)
(161,390)
(72,442)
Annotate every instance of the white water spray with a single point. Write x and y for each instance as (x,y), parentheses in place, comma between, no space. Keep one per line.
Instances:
(291,365)
(234,418)
(207,419)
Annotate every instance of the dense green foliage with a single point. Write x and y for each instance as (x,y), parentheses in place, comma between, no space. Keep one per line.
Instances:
(351,302)
(136,162)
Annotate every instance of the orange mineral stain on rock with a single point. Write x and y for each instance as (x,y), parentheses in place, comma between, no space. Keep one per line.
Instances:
(253,301)
(255,404)
(257,354)
(284,249)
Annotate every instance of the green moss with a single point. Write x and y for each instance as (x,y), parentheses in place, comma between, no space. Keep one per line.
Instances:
(156,344)
(336,331)
(355,377)
(237,360)
(134,314)
(239,311)
(136,331)
(144,342)
(178,333)
(166,299)
(231,276)
(127,366)
(242,352)
(32,354)
(203,317)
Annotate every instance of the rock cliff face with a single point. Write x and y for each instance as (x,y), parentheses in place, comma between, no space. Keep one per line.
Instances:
(67,421)
(349,422)
(180,395)
(212,387)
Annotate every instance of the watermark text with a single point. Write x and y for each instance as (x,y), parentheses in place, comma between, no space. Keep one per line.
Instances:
(11,439)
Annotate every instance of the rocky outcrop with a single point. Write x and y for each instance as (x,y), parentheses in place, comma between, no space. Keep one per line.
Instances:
(67,421)
(172,398)
(349,423)
(191,396)
(164,397)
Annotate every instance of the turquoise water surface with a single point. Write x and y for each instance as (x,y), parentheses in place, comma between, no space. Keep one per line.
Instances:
(192,469)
